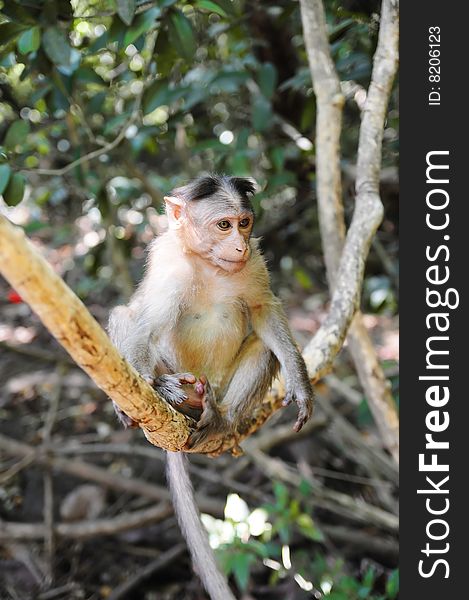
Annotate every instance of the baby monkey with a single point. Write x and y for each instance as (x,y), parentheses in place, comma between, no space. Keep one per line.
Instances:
(205,329)
(204,313)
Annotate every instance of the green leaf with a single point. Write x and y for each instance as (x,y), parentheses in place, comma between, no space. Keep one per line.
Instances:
(305,488)
(277,157)
(30,40)
(126,10)
(223,7)
(56,46)
(281,494)
(16,134)
(9,31)
(5,172)
(88,75)
(303,278)
(155,95)
(308,528)
(182,35)
(17,13)
(392,585)
(15,190)
(267,79)
(369,577)
(142,24)
(261,113)
(229,80)
(212,7)
(241,567)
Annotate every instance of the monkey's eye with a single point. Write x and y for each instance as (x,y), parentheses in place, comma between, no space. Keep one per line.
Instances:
(244,222)
(224,225)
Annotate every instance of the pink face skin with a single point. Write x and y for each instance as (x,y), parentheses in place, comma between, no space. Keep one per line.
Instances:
(232,250)
(217,232)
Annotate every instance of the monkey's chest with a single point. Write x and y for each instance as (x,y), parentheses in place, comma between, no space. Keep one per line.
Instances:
(208,339)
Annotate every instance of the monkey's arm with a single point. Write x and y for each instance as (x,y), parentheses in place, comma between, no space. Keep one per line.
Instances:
(271,326)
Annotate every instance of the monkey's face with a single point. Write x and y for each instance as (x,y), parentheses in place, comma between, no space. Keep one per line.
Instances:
(219,237)
(230,247)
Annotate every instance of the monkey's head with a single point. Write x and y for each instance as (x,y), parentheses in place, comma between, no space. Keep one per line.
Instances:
(213,216)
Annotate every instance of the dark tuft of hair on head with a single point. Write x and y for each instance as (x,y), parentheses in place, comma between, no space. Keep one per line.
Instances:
(208,185)
(243,185)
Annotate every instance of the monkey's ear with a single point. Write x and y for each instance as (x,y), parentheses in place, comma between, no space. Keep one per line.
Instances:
(174,207)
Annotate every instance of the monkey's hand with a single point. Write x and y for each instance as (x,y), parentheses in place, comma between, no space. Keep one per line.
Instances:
(211,423)
(303,395)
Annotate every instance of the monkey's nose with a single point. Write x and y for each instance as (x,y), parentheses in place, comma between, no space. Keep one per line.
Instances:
(240,250)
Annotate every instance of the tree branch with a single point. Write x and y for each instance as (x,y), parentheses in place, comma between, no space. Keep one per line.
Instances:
(345,263)
(83,530)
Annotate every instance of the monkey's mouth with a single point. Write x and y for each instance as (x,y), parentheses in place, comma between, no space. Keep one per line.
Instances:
(236,262)
(231,265)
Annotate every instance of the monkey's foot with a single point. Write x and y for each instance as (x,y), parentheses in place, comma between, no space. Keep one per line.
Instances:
(212,424)
(124,419)
(305,401)
(170,388)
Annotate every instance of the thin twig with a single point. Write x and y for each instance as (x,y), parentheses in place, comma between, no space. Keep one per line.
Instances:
(91,155)
(21,464)
(82,530)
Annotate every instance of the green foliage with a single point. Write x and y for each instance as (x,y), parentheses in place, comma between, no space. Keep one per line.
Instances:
(5,172)
(182,35)
(56,46)
(14,190)
(287,528)
(29,40)
(126,10)
(16,135)
(78,70)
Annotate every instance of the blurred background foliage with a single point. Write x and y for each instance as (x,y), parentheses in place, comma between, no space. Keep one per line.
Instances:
(105,105)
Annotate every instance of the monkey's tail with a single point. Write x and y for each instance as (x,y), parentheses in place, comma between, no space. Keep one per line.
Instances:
(192,528)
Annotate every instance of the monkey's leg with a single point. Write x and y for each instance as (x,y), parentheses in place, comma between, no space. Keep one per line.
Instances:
(249,380)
